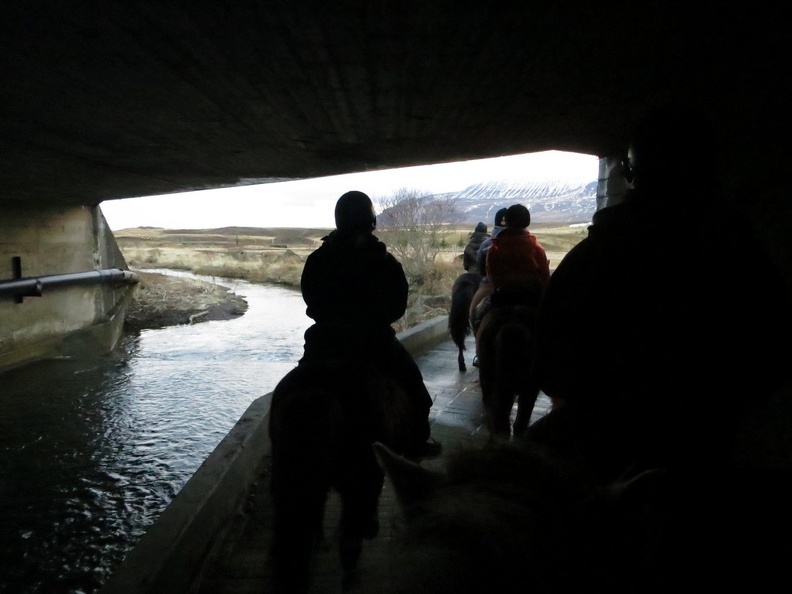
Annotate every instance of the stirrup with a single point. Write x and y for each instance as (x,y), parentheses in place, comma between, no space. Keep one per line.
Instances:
(431,449)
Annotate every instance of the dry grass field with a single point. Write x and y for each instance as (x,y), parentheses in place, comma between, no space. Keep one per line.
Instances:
(276,255)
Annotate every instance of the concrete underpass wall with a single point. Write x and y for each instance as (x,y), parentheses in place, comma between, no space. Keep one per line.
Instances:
(63,320)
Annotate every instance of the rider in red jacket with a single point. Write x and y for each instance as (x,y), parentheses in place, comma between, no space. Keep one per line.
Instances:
(516,262)
(517,268)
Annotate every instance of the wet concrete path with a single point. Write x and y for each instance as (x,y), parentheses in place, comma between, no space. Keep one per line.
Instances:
(240,560)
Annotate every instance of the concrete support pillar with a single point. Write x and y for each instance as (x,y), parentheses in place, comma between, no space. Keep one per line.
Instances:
(611,185)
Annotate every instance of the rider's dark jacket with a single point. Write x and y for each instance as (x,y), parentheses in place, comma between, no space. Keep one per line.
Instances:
(354,290)
(469,256)
(663,358)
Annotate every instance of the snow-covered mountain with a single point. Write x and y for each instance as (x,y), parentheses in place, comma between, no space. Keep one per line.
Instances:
(550,201)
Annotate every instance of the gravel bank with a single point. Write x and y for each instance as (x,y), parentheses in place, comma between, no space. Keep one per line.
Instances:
(162,300)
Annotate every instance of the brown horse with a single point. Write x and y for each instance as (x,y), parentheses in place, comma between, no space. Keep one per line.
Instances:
(517,517)
(514,517)
(462,293)
(505,350)
(324,418)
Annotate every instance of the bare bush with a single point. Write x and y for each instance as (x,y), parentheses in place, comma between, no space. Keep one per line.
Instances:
(414,226)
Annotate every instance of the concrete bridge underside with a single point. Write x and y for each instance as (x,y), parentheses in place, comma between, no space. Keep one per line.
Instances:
(103,101)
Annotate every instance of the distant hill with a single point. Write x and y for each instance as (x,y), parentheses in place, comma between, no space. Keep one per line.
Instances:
(554,202)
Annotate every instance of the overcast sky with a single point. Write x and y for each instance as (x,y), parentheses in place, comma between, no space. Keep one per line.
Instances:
(310,203)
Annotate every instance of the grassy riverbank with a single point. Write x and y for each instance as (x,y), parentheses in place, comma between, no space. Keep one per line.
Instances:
(276,255)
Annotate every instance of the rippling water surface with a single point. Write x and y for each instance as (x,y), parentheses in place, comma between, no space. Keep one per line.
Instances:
(91,452)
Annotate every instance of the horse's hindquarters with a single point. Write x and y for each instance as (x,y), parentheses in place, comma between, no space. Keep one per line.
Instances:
(505,344)
(459,326)
(323,422)
(303,458)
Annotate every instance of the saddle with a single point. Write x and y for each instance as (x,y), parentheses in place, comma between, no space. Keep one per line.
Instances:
(501,298)
(515,298)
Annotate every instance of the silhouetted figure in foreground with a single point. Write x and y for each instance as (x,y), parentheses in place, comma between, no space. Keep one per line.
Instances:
(355,385)
(657,328)
(354,290)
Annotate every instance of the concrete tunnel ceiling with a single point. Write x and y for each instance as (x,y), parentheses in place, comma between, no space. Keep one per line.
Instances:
(108,100)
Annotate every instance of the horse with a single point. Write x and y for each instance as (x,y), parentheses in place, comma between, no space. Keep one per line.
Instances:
(516,516)
(459,327)
(505,340)
(323,419)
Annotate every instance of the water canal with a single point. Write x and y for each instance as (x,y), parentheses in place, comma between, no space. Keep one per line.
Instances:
(92,451)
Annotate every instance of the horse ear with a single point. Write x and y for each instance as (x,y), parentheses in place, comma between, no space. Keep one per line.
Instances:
(651,484)
(411,481)
(649,494)
(647,505)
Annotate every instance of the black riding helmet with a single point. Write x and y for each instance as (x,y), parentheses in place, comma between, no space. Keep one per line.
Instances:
(499,216)
(518,217)
(354,211)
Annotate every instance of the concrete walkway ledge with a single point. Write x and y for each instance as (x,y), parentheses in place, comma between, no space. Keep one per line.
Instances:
(170,556)
(425,335)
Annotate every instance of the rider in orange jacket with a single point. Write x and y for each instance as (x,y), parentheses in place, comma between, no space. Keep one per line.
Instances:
(517,262)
